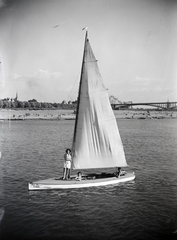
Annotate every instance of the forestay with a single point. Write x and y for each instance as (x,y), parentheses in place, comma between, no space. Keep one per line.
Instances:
(97,142)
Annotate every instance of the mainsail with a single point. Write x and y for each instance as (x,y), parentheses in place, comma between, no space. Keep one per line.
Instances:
(96,143)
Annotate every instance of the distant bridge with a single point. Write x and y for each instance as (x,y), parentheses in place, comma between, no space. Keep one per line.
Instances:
(163,105)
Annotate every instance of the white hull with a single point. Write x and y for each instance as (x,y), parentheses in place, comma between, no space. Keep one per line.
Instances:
(53,183)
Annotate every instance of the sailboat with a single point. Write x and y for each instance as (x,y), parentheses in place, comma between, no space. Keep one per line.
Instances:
(96,139)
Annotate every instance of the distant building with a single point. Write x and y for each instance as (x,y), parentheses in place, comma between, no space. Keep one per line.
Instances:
(14,99)
(114,100)
(118,105)
(64,102)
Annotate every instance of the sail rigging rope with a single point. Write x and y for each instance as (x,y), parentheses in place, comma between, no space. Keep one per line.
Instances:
(77,79)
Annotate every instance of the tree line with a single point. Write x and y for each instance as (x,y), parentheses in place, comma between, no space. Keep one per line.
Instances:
(34,104)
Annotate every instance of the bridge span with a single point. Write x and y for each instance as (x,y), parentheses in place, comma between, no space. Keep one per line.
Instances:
(162,105)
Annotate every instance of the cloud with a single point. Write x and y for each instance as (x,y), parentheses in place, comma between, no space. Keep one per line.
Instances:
(44,74)
(2,4)
(139,79)
(42,84)
(17,76)
(40,79)
(142,89)
(144,81)
(36,76)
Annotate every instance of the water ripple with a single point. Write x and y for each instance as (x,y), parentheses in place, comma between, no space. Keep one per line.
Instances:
(145,208)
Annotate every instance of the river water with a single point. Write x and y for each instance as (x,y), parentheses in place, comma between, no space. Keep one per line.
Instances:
(142,209)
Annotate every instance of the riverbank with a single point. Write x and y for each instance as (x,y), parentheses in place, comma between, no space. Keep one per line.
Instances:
(49,114)
(146,114)
(60,114)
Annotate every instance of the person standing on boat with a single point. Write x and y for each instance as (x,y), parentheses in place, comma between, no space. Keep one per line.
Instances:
(67,164)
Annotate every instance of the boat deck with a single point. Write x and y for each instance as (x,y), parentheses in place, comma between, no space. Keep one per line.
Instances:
(87,181)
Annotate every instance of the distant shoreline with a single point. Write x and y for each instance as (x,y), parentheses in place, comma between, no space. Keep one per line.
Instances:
(68,114)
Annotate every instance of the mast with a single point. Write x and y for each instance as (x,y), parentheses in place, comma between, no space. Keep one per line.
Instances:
(78,99)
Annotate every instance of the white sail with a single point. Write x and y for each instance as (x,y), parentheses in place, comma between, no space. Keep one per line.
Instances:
(97,143)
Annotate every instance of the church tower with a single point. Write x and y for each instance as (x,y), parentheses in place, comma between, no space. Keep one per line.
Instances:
(16,98)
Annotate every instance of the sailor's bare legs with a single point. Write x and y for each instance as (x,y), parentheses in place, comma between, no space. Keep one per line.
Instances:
(64,173)
(67,173)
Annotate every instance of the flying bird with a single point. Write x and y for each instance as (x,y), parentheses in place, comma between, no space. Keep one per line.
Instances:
(56,26)
(60,24)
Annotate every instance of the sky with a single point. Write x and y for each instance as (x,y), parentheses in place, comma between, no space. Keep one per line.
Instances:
(135,42)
